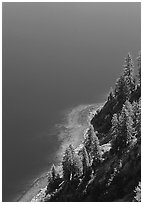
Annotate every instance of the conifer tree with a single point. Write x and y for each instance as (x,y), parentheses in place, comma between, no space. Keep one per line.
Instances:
(66,164)
(123,130)
(128,74)
(85,160)
(139,69)
(121,90)
(53,172)
(115,132)
(92,146)
(137,119)
(95,148)
(75,163)
(111,95)
(71,164)
(95,152)
(126,123)
(125,85)
(49,177)
(88,140)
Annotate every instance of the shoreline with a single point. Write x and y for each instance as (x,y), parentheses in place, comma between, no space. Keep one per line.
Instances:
(78,120)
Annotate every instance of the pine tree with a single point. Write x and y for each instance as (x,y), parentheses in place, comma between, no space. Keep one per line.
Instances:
(49,178)
(66,165)
(95,152)
(71,164)
(115,132)
(126,123)
(95,148)
(52,175)
(111,95)
(125,85)
(121,91)
(137,119)
(53,172)
(88,140)
(128,74)
(92,146)
(123,130)
(85,160)
(139,69)
(75,163)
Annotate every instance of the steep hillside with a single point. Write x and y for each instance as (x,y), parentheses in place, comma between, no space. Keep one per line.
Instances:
(106,166)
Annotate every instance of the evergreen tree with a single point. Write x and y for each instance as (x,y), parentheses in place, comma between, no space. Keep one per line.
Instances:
(71,164)
(121,90)
(88,140)
(75,163)
(115,132)
(95,152)
(137,119)
(85,160)
(123,130)
(53,172)
(125,85)
(66,165)
(139,69)
(92,146)
(52,175)
(95,148)
(111,95)
(49,178)
(126,123)
(128,75)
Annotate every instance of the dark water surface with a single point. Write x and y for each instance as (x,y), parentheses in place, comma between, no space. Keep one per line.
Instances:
(56,56)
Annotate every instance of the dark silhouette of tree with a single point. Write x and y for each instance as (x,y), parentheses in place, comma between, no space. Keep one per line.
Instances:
(49,178)
(53,176)
(121,90)
(66,164)
(53,172)
(111,95)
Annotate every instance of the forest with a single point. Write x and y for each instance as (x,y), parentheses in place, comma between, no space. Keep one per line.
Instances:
(106,167)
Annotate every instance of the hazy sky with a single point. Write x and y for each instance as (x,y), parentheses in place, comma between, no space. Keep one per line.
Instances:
(55,56)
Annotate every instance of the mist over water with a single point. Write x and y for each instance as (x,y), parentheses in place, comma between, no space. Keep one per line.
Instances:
(56,56)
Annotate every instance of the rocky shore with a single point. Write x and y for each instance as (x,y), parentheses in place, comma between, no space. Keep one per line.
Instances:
(71,132)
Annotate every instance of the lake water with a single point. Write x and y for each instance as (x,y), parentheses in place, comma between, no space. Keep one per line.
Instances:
(56,56)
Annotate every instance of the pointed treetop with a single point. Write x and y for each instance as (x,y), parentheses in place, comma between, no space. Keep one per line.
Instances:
(128,60)
(53,172)
(128,66)
(111,94)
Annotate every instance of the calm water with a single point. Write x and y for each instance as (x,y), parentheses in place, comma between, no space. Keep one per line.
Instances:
(56,56)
